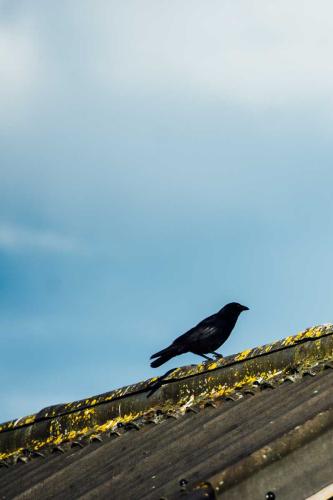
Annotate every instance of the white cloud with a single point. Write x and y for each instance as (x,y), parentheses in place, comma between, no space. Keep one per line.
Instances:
(260,52)
(19,66)
(27,239)
(257,52)
(17,59)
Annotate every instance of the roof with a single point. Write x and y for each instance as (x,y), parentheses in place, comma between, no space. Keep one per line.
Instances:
(245,425)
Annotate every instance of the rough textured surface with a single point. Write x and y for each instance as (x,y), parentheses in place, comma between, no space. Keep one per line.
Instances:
(298,475)
(150,462)
(181,388)
(230,430)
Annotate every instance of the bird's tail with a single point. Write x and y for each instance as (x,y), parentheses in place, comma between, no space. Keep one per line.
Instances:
(164,355)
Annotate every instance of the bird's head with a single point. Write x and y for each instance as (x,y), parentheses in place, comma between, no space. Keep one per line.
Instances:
(233,308)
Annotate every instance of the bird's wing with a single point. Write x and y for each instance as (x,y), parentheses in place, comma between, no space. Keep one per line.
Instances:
(211,320)
(205,328)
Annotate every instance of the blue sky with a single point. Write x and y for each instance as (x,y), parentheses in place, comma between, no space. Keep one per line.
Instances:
(158,159)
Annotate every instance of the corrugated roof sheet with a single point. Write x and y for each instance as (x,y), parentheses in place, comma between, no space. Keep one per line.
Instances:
(214,426)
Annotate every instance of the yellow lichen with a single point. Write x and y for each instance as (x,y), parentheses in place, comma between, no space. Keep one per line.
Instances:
(243,355)
(288,341)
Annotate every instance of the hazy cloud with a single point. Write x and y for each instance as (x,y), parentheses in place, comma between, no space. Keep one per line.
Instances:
(27,239)
(258,52)
(21,69)
(261,53)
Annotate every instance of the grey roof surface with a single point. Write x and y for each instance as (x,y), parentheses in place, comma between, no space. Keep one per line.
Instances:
(271,434)
(150,463)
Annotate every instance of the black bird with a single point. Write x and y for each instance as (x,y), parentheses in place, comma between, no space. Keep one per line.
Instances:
(204,338)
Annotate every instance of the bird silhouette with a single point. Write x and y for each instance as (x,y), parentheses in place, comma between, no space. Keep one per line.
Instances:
(205,337)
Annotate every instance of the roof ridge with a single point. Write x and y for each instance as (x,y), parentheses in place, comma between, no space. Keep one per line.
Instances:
(184,385)
(177,374)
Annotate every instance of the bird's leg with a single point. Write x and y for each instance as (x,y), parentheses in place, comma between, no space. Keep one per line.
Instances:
(206,357)
(217,355)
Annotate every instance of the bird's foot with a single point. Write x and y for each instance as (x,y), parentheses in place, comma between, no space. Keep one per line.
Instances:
(217,355)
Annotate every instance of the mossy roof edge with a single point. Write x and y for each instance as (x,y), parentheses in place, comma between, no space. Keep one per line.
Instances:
(62,422)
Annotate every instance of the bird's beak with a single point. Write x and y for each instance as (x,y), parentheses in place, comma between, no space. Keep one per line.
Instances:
(245,308)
